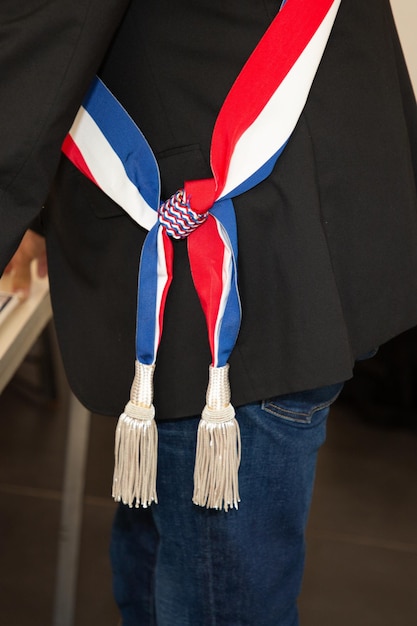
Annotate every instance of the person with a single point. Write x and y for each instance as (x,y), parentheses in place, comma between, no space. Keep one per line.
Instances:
(326,269)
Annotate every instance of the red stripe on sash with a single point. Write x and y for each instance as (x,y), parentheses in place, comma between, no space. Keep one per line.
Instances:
(206,253)
(280,47)
(71,150)
(169,260)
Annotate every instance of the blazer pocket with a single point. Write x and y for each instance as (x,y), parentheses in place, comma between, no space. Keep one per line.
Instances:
(180,164)
(100,203)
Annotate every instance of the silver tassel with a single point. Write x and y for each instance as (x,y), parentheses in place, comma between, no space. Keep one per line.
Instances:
(218,447)
(136,444)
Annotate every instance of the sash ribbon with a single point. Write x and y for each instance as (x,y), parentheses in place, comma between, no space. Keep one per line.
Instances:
(252,128)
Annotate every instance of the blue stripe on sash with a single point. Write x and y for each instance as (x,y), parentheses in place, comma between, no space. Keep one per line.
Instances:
(126,140)
(258,176)
(147,313)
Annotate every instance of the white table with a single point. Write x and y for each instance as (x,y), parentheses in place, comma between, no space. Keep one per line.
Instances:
(22,327)
(17,335)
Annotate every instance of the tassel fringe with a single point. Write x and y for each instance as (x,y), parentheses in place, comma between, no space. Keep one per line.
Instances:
(136,445)
(218,448)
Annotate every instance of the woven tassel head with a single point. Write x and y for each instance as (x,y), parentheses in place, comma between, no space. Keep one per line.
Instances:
(136,444)
(218,447)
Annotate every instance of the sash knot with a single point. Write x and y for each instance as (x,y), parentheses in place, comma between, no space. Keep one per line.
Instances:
(177,216)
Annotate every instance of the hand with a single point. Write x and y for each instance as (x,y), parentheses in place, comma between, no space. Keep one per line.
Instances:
(31,247)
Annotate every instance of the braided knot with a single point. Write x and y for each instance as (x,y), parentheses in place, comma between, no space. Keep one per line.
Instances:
(178,217)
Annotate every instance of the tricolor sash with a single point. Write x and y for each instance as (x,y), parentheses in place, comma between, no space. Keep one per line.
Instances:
(251,131)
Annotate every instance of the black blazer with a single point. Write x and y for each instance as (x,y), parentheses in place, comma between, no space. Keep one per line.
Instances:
(328,244)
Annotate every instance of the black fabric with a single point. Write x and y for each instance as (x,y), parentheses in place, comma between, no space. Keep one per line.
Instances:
(328,244)
(49,52)
(383,389)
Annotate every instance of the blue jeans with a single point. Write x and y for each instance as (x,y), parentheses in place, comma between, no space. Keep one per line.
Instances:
(176,564)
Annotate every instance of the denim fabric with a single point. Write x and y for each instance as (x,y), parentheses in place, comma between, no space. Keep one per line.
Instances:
(176,564)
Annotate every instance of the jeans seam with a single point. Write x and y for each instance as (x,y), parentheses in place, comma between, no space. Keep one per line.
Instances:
(303,417)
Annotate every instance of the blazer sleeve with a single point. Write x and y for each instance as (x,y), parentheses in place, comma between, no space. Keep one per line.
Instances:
(50,51)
